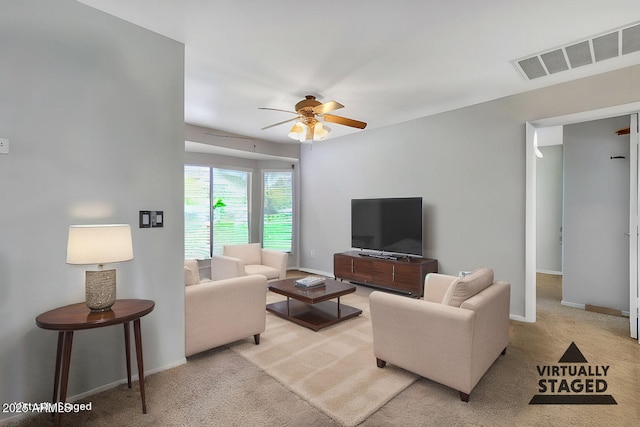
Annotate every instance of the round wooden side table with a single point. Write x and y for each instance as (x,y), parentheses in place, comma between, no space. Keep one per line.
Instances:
(77,317)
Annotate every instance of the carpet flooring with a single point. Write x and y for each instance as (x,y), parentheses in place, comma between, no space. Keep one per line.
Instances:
(221,388)
(502,396)
(332,369)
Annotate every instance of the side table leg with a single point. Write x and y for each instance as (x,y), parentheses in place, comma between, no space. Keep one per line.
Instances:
(56,380)
(64,376)
(138,338)
(127,350)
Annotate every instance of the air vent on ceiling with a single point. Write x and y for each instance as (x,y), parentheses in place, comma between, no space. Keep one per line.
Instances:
(623,41)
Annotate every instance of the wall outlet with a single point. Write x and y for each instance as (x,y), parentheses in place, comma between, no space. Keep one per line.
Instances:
(4,146)
(312,253)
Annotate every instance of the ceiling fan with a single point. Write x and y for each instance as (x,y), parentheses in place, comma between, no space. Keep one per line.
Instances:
(310,115)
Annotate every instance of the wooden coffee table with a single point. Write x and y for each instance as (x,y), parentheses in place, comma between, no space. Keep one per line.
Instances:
(312,308)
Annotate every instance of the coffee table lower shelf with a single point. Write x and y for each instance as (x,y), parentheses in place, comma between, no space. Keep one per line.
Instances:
(313,316)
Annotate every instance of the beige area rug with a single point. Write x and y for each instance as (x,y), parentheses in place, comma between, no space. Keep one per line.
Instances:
(333,369)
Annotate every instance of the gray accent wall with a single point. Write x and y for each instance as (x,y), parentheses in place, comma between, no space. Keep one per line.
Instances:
(467,164)
(93,108)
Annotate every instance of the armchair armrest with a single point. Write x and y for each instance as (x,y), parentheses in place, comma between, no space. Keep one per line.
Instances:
(226,267)
(277,260)
(407,322)
(491,334)
(430,339)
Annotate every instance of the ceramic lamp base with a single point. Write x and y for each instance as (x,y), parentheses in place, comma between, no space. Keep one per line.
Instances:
(100,287)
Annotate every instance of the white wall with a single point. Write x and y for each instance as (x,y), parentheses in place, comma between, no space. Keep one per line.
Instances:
(467,164)
(549,210)
(94,111)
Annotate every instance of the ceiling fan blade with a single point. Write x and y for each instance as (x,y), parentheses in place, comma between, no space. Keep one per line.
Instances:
(276,109)
(344,121)
(280,123)
(327,107)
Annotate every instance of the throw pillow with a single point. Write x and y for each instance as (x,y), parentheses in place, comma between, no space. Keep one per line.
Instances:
(188,277)
(192,265)
(465,287)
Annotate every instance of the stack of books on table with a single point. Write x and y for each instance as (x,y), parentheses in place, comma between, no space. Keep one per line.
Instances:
(310,282)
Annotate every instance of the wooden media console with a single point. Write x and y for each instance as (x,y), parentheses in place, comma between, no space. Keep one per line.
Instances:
(404,275)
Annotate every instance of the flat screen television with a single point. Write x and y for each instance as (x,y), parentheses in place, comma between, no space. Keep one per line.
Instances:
(391,225)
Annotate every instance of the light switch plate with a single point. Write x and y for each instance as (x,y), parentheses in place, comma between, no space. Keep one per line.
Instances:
(4,146)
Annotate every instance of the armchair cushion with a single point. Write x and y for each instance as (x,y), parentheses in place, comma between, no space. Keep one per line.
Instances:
(265,270)
(465,287)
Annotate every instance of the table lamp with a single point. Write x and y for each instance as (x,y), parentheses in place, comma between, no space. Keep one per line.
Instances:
(99,244)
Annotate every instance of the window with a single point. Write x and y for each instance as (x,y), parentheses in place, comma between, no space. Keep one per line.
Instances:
(277,214)
(231,221)
(197,212)
(216,210)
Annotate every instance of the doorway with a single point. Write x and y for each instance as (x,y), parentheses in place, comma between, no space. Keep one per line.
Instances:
(530,221)
(583,212)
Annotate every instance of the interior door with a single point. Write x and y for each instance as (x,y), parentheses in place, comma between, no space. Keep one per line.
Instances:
(596,261)
(634,210)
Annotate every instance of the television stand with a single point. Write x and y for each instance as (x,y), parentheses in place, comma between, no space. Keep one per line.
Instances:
(383,256)
(405,275)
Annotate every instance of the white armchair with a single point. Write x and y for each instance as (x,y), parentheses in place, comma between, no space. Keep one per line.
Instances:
(270,263)
(452,337)
(222,310)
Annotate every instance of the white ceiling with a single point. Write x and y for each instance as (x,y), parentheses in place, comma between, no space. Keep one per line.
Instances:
(386,61)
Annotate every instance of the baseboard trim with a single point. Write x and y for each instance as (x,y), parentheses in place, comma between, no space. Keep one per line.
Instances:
(313,271)
(71,399)
(134,377)
(555,273)
(584,307)
(572,304)
(519,318)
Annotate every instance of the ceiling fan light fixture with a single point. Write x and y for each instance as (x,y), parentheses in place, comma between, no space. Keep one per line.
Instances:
(297,130)
(308,133)
(319,131)
(309,124)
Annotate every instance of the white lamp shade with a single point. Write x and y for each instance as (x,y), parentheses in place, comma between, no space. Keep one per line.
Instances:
(299,131)
(319,131)
(99,244)
(295,131)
